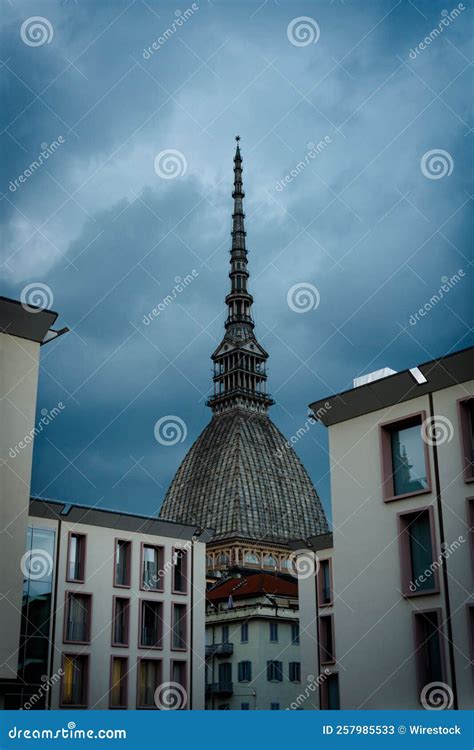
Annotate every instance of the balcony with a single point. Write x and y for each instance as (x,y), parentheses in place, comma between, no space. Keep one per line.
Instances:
(219,649)
(219,688)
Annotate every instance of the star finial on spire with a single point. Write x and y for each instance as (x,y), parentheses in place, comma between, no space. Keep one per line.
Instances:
(237,138)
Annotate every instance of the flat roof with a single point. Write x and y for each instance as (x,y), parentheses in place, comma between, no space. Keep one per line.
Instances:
(17,320)
(440,373)
(114,519)
(313,543)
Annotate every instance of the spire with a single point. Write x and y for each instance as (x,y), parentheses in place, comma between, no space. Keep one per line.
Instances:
(239,362)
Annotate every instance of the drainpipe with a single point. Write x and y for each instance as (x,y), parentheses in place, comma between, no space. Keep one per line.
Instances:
(444,563)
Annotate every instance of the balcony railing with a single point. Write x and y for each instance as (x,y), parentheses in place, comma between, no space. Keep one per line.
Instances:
(219,649)
(219,688)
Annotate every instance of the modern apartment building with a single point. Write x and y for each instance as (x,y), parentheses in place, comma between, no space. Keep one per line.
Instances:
(113,612)
(23,330)
(252,644)
(402,473)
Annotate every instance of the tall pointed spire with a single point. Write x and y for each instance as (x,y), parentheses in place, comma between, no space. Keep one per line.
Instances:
(239,362)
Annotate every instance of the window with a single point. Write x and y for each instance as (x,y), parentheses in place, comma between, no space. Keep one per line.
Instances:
(466,416)
(120,621)
(225,675)
(470,521)
(118,697)
(149,677)
(123,554)
(74,682)
(251,558)
(418,572)
(244,671)
(405,464)
(180,571)
(76,558)
(225,634)
(330,693)
(269,561)
(274,671)
(470,628)
(295,671)
(295,633)
(324,583)
(178,636)
(152,568)
(326,639)
(273,632)
(77,620)
(244,632)
(274,706)
(245,706)
(151,624)
(178,676)
(429,648)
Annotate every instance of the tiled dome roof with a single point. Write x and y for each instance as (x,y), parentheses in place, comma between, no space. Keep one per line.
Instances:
(241,479)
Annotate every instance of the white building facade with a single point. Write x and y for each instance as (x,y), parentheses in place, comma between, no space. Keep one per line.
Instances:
(402,473)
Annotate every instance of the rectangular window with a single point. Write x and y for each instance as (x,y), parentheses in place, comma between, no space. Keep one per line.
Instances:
(179,676)
(466,417)
(120,621)
(274,671)
(326,639)
(470,627)
(178,636)
(118,697)
(295,671)
(225,634)
(152,568)
(149,677)
(470,521)
(244,632)
(274,706)
(405,461)
(244,671)
(330,693)
(180,571)
(151,624)
(419,572)
(295,633)
(76,558)
(429,648)
(245,706)
(74,681)
(324,583)
(77,619)
(273,632)
(123,559)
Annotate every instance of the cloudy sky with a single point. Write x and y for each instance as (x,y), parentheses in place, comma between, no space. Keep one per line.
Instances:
(371,225)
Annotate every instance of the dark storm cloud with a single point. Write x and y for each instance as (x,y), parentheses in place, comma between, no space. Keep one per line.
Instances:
(113,240)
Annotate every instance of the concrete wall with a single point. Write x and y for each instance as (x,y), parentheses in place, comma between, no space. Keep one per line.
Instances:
(18,385)
(373,621)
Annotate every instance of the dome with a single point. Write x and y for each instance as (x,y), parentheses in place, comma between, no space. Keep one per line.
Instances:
(241,479)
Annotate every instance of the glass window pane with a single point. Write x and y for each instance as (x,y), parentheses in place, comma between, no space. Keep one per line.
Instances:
(408,460)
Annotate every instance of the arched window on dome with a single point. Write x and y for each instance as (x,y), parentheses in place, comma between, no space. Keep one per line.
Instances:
(251,558)
(269,561)
(210,561)
(285,562)
(223,559)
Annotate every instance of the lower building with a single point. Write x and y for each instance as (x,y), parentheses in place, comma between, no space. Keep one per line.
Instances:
(253,644)
(402,471)
(113,612)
